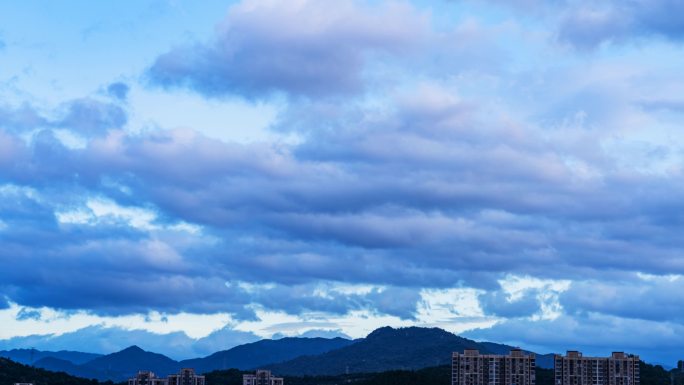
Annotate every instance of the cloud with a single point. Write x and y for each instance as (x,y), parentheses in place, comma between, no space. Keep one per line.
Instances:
(21,118)
(89,117)
(26,314)
(330,299)
(306,48)
(587,26)
(118,90)
(325,333)
(86,117)
(650,298)
(222,339)
(500,304)
(439,212)
(430,154)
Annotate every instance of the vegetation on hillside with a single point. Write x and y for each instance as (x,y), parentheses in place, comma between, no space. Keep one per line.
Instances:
(12,372)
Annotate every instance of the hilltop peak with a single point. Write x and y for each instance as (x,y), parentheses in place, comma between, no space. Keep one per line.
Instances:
(388,331)
(132,349)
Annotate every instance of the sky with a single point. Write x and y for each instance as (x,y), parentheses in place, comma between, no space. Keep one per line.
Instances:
(190,176)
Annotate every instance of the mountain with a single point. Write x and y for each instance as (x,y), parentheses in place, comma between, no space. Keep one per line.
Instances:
(384,349)
(56,365)
(29,356)
(13,372)
(124,364)
(264,352)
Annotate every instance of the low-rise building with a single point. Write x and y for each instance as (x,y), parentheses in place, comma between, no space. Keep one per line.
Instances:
(261,377)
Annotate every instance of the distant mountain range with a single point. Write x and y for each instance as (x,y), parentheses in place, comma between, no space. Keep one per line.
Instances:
(122,365)
(384,349)
(265,352)
(29,356)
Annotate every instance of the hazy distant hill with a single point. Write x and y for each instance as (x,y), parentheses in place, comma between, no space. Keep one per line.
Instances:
(384,349)
(265,352)
(28,356)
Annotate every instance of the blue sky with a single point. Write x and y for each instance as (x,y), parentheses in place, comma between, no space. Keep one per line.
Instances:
(188,177)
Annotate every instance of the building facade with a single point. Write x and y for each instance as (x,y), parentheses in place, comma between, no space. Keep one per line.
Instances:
(575,369)
(473,368)
(145,377)
(186,376)
(261,377)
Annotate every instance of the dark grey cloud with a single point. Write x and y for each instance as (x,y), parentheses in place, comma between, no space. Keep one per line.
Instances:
(317,50)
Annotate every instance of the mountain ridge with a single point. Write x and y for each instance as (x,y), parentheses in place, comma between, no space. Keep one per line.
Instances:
(385,348)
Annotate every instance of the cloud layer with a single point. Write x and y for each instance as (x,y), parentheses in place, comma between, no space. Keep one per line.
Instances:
(418,150)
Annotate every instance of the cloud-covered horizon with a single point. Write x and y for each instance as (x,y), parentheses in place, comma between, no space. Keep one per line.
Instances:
(487,167)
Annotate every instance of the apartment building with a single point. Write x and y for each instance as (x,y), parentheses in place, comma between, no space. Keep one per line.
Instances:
(473,368)
(261,377)
(145,377)
(186,376)
(575,369)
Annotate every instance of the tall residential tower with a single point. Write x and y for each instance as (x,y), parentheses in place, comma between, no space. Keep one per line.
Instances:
(473,368)
(575,369)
